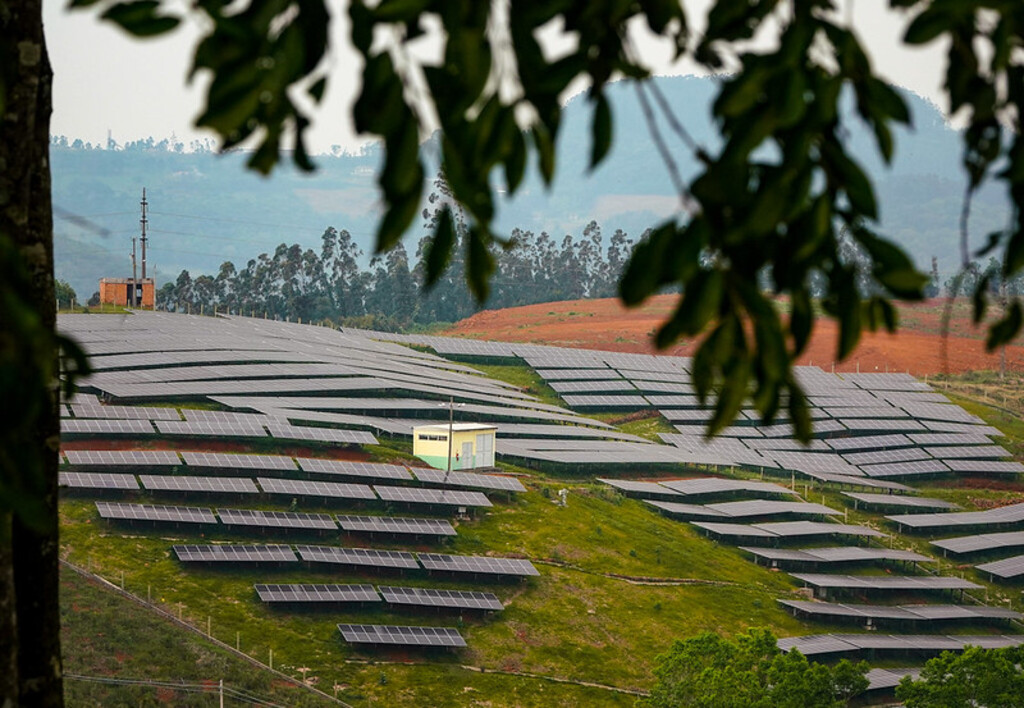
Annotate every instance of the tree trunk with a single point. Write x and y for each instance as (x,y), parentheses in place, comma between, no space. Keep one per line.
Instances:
(26,218)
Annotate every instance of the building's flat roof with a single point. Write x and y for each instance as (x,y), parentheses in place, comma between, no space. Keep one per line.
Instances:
(455,427)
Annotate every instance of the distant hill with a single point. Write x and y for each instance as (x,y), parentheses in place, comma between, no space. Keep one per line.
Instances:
(206,209)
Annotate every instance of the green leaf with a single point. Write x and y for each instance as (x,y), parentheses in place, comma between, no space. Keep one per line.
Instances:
(140,18)
(927,26)
(316,91)
(440,247)
(601,130)
(1003,331)
(479,264)
(643,272)
(544,143)
(399,11)
(397,218)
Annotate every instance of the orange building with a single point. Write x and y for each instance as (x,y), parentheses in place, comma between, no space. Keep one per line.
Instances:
(118,291)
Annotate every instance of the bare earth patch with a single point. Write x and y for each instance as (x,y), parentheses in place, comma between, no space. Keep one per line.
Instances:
(919,348)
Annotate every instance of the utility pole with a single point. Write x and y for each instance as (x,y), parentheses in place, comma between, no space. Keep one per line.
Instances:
(143,222)
(131,295)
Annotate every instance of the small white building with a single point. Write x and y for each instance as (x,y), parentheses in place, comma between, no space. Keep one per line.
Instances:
(472,445)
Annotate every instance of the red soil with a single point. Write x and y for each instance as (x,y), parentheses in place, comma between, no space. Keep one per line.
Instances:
(918,348)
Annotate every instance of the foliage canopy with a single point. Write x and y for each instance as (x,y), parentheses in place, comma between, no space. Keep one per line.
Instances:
(708,671)
(976,677)
(768,206)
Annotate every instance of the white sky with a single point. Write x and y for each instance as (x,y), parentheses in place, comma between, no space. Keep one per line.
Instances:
(104,80)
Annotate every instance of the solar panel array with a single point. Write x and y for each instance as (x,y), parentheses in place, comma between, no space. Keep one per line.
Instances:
(1006,568)
(401,636)
(1000,516)
(485,565)
(426,597)
(149,512)
(276,519)
(97,480)
(837,644)
(468,479)
(357,556)
(439,497)
(895,583)
(222,485)
(317,593)
(309,488)
(234,554)
(118,458)
(910,613)
(397,525)
(981,542)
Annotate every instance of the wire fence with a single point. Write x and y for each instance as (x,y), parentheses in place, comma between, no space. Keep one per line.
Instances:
(205,633)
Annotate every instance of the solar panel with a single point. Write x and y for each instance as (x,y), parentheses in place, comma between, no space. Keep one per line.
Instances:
(785,529)
(591,386)
(444,497)
(1011,514)
(853,643)
(317,593)
(981,542)
(469,479)
(117,458)
(915,613)
(104,426)
(605,402)
(219,460)
(357,556)
(638,488)
(348,468)
(225,485)
(204,428)
(906,454)
(899,500)
(401,636)
(891,582)
(703,486)
(149,512)
(985,466)
(745,509)
(276,519)
(96,410)
(307,488)
(426,597)
(334,435)
(841,554)
(1006,568)
(234,554)
(97,480)
(397,525)
(488,565)
(905,469)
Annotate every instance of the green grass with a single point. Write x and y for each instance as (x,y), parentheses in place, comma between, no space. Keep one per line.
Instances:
(106,635)
(523,377)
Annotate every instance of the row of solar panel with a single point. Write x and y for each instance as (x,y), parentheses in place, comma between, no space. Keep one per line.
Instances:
(424,597)
(366,557)
(271,485)
(346,468)
(274,519)
(279,430)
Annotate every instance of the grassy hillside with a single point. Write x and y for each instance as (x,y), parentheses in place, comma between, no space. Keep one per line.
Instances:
(618,583)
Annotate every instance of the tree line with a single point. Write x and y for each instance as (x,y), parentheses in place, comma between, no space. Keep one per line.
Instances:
(294,283)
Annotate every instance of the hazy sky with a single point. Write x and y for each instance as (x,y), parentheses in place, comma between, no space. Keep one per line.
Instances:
(105,80)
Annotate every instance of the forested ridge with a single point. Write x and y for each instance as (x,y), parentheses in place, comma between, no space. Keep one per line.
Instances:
(333,284)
